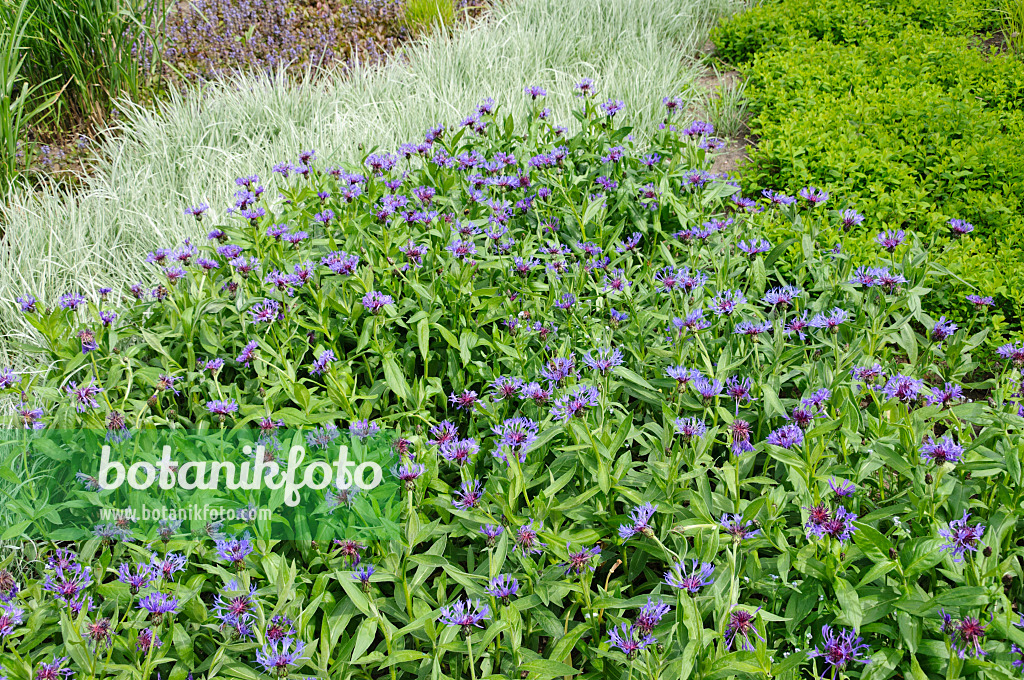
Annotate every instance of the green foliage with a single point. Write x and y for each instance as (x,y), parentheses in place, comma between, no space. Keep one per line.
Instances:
(93,50)
(19,103)
(898,108)
(630,400)
(424,14)
(779,24)
(1012,23)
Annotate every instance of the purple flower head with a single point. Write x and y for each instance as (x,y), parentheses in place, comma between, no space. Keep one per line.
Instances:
(53,670)
(650,615)
(197,211)
(981,302)
(222,407)
(776,198)
(740,432)
(672,104)
(408,473)
(850,218)
(503,587)
(443,432)
(839,650)
(941,452)
(235,611)
(726,302)
(698,128)
(566,302)
(248,353)
(459,451)
(506,387)
(945,395)
(751,329)
(341,262)
(535,91)
(737,528)
(754,246)
(739,389)
(830,321)
(27,303)
(641,517)
(158,604)
(630,639)
(515,436)
(891,239)
(465,614)
(11,616)
(68,581)
(961,227)
(8,378)
(491,532)
(464,401)
(375,301)
(692,578)
(813,195)
(527,539)
(787,436)
(1013,352)
(84,397)
(605,360)
(323,362)
(136,580)
(469,495)
(279,656)
(234,550)
(267,311)
(612,107)
(961,537)
(363,429)
(781,297)
(707,389)
(362,576)
(903,388)
(585,87)
(742,624)
(841,487)
(943,329)
(536,392)
(690,428)
(582,560)
(965,635)
(168,565)
(682,375)
(576,403)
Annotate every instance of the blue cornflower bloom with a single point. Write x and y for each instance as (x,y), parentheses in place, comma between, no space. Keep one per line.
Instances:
(641,516)
(961,537)
(691,579)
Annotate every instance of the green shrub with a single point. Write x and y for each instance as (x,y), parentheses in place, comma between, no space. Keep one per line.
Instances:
(897,109)
(423,14)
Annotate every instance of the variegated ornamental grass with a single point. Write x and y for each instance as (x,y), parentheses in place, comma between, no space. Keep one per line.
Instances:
(633,439)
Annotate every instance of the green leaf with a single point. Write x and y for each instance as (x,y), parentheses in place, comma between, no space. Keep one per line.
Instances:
(850,603)
(546,668)
(395,378)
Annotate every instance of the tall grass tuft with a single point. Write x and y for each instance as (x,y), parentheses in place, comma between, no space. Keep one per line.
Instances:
(726,107)
(1012,16)
(98,49)
(421,15)
(19,101)
(189,148)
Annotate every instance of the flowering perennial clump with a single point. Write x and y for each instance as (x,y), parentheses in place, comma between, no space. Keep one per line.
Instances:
(760,455)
